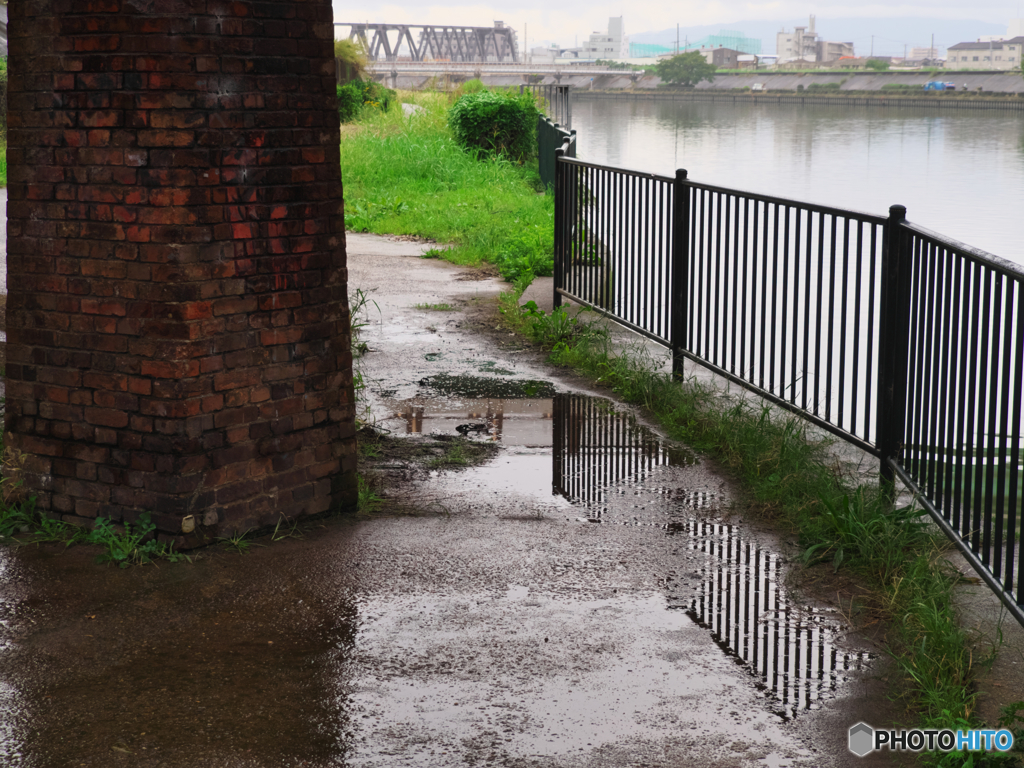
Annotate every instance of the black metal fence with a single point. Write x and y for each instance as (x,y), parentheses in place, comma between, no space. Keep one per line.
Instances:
(899,340)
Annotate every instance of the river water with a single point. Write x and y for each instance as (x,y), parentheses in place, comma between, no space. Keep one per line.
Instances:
(960,174)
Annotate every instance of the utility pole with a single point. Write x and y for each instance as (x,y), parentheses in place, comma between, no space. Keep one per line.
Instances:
(677,38)
(872,46)
(931,51)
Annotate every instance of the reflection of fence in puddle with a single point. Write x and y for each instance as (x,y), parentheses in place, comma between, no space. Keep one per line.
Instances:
(596,447)
(743,605)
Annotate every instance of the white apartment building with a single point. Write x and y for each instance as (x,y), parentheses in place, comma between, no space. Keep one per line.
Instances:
(611,45)
(992,54)
(803,44)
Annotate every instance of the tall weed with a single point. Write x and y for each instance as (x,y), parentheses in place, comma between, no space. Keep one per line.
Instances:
(487,210)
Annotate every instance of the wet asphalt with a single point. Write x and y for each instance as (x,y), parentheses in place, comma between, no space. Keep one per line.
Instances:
(579,600)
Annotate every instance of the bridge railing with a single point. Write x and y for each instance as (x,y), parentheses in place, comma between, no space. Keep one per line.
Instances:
(898,340)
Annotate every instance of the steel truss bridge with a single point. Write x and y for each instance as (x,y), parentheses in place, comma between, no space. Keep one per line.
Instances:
(428,42)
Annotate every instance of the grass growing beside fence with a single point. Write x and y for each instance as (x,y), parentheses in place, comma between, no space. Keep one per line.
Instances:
(789,478)
(405,175)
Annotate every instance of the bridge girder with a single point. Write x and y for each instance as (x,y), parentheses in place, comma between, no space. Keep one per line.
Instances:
(432,42)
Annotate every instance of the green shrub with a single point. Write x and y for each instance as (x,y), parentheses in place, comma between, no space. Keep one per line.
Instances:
(900,87)
(526,254)
(473,86)
(499,123)
(356,94)
(375,94)
(350,102)
(823,87)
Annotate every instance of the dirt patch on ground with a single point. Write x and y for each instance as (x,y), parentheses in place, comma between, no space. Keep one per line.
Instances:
(386,461)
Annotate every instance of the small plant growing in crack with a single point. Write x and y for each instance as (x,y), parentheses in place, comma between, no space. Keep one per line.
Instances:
(454,456)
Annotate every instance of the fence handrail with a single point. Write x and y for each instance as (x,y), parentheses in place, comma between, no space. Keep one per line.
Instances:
(869,218)
(977,255)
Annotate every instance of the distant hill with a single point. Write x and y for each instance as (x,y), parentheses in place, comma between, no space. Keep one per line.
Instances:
(890,34)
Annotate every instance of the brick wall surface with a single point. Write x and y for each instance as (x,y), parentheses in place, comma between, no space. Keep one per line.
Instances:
(178,330)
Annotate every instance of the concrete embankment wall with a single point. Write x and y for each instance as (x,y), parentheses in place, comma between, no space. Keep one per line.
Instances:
(886,99)
(855,88)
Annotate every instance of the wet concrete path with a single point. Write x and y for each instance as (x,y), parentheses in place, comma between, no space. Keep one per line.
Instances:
(576,601)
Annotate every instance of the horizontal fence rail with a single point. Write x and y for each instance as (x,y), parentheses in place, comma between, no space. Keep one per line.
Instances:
(902,342)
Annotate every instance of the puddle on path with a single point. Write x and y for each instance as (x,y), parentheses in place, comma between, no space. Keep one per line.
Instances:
(581,459)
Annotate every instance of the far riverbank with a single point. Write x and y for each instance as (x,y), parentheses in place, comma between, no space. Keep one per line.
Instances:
(975,90)
(887,99)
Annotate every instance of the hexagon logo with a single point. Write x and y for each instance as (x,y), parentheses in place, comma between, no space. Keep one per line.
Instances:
(862,737)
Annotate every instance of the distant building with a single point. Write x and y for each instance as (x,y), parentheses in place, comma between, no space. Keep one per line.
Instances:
(1002,55)
(803,44)
(920,54)
(723,58)
(611,45)
(548,55)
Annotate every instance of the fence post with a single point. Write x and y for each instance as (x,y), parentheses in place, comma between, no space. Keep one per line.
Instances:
(893,339)
(680,268)
(560,204)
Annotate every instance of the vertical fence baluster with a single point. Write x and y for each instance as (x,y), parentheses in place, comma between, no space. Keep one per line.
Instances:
(680,268)
(892,366)
(1003,433)
(840,402)
(560,202)
(784,290)
(794,348)
(992,405)
(975,433)
(831,296)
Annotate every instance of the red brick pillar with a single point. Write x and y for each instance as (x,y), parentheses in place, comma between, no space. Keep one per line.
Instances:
(178,329)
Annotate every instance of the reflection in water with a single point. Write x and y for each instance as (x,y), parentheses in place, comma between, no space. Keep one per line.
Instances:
(524,421)
(224,661)
(617,470)
(596,447)
(741,601)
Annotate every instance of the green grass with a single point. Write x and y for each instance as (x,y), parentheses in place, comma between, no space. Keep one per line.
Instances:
(789,478)
(406,175)
(439,307)
(454,456)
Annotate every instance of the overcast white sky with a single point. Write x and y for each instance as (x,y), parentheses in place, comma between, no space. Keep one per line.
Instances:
(562,21)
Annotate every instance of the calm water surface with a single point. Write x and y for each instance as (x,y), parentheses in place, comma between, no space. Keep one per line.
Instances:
(959,174)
